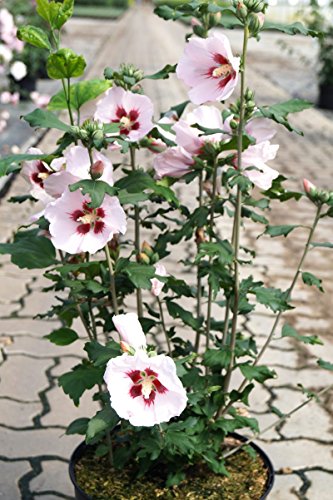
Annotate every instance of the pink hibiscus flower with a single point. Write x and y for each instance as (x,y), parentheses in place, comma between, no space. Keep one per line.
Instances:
(146,391)
(75,166)
(191,138)
(174,162)
(75,227)
(130,330)
(37,172)
(257,156)
(156,284)
(209,68)
(133,112)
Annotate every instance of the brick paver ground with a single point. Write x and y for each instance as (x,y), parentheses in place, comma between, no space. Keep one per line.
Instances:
(33,410)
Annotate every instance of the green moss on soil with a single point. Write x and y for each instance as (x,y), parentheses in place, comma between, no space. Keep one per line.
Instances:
(247,481)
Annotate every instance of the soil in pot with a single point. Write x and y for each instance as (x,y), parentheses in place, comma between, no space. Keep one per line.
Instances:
(247,481)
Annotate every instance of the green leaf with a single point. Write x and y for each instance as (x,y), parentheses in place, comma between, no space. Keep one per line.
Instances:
(80,379)
(289,331)
(96,190)
(163,74)
(138,181)
(279,112)
(325,364)
(310,279)
(10,163)
(322,245)
(291,29)
(139,274)
(126,198)
(30,251)
(55,13)
(35,36)
(100,354)
(78,426)
(104,420)
(273,298)
(283,230)
(217,358)
(258,373)
(40,118)
(176,311)
(222,249)
(62,336)
(65,64)
(80,93)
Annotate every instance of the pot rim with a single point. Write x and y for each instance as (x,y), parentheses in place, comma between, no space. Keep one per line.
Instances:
(80,449)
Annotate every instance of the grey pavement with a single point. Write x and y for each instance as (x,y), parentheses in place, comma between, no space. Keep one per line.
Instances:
(33,410)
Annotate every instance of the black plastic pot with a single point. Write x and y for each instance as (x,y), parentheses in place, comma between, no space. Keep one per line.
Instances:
(81,449)
(325,96)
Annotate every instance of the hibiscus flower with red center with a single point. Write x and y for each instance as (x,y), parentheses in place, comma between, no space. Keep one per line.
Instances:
(209,68)
(76,227)
(133,112)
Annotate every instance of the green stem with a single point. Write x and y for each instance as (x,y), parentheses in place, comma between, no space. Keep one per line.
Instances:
(164,327)
(199,281)
(238,216)
(112,280)
(137,237)
(278,317)
(278,422)
(210,229)
(226,322)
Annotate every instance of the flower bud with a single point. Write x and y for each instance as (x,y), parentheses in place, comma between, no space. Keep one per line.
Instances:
(147,249)
(254,24)
(97,169)
(125,347)
(200,236)
(317,196)
(234,124)
(143,258)
(195,22)
(242,11)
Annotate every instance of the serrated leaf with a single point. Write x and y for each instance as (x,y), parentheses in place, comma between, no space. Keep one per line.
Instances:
(65,64)
(176,311)
(34,36)
(83,377)
(279,112)
(322,245)
(96,190)
(163,73)
(40,118)
(30,251)
(104,420)
(258,373)
(9,164)
(282,230)
(289,331)
(312,280)
(62,336)
(80,93)
(217,358)
(273,298)
(78,426)
(291,29)
(139,274)
(327,365)
(55,13)
(100,354)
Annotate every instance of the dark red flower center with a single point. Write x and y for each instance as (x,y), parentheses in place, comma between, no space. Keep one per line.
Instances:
(146,385)
(128,120)
(222,70)
(40,174)
(89,218)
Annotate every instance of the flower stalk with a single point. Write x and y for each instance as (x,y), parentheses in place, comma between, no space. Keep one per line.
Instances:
(238,215)
(136,237)
(112,281)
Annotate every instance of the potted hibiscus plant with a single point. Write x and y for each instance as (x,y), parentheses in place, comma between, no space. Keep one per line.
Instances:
(163,372)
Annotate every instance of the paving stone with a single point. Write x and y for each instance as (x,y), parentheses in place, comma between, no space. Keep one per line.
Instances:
(43,347)
(321,485)
(37,442)
(39,303)
(285,487)
(23,378)
(314,378)
(63,411)
(11,289)
(10,472)
(297,454)
(54,477)
(14,414)
(311,421)
(7,310)
(24,326)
